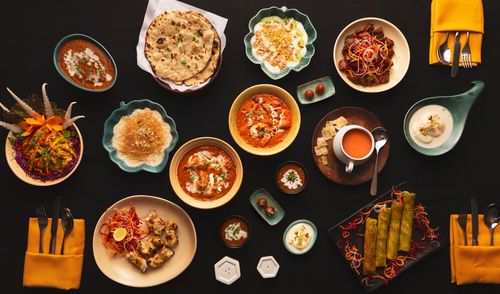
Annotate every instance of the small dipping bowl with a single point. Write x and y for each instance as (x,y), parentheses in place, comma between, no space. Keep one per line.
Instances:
(228,222)
(297,166)
(290,247)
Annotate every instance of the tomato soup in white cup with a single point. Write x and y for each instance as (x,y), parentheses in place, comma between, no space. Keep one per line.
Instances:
(353,145)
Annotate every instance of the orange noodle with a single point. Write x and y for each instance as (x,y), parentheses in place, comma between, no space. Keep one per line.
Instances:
(127,219)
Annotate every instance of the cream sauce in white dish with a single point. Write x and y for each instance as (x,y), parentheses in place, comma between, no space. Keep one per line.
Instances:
(431,125)
(299,236)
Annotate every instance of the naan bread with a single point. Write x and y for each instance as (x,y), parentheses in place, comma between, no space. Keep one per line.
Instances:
(179,44)
(209,70)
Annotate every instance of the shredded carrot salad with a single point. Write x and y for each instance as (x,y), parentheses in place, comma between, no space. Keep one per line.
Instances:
(128,219)
(353,227)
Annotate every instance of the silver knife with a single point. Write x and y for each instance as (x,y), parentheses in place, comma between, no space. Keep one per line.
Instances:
(55,222)
(456,55)
(473,206)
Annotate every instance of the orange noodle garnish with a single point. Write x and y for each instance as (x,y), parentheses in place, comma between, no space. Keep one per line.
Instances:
(367,56)
(128,219)
(430,237)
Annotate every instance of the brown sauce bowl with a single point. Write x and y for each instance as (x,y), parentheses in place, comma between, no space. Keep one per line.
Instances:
(244,224)
(279,174)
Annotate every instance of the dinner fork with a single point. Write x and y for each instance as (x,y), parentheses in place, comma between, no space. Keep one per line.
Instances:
(462,221)
(42,223)
(466,56)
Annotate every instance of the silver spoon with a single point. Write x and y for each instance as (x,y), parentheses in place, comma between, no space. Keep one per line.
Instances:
(380,136)
(444,52)
(67,225)
(491,219)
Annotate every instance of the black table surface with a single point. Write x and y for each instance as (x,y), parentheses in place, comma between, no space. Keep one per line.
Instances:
(30,31)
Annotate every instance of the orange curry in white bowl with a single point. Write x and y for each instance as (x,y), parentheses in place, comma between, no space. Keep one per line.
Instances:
(206,173)
(264,120)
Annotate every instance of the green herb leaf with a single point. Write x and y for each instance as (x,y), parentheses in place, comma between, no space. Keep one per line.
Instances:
(292,177)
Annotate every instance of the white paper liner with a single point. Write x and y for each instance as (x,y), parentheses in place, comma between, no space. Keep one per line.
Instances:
(157,7)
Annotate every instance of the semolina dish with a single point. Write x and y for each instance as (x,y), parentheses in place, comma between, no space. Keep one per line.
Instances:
(141,138)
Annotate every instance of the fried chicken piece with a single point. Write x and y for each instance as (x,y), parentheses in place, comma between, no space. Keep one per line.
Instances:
(155,224)
(170,225)
(137,260)
(171,239)
(160,257)
(149,246)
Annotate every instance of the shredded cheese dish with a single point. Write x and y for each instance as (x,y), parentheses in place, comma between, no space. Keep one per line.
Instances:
(279,43)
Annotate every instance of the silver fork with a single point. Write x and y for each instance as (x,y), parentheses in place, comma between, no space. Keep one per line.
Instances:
(462,221)
(42,223)
(466,56)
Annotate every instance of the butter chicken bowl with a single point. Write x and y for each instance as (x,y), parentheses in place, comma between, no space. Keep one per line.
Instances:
(264,120)
(85,63)
(206,172)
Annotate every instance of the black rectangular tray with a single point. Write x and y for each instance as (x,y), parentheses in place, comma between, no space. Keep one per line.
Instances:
(426,246)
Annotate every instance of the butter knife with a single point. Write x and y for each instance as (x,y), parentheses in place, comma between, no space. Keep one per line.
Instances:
(55,222)
(456,55)
(473,206)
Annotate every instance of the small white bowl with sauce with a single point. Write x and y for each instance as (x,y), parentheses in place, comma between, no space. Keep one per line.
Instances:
(300,236)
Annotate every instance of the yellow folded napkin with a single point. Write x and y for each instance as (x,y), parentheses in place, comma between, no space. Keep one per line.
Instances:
(474,264)
(456,15)
(54,270)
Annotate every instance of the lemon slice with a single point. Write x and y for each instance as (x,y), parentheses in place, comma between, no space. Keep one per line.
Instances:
(119,234)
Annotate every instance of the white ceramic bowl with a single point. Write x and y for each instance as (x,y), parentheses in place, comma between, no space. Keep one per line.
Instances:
(401,59)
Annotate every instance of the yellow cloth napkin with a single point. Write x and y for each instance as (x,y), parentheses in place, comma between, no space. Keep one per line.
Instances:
(452,16)
(474,264)
(54,270)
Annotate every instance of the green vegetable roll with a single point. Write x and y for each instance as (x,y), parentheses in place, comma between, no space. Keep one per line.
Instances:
(382,231)
(370,244)
(406,221)
(394,228)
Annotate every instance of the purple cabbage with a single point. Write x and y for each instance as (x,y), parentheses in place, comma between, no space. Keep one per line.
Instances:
(23,163)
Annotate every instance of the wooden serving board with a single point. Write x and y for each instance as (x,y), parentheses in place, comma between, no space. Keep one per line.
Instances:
(335,170)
